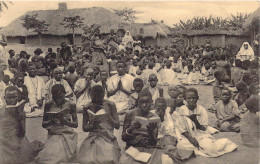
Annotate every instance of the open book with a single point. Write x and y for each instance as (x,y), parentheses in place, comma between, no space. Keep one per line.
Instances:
(100,115)
(58,114)
(145,122)
(137,155)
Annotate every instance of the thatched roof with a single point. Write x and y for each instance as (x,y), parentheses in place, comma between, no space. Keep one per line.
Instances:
(95,15)
(212,32)
(152,30)
(253,19)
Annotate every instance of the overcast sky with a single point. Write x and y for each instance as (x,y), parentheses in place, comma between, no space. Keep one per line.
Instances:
(171,12)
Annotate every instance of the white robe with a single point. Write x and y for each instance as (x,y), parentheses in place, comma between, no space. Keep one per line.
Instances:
(209,146)
(84,98)
(36,91)
(120,98)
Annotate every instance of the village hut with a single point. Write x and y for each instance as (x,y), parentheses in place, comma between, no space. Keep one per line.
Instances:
(153,33)
(216,38)
(252,25)
(56,32)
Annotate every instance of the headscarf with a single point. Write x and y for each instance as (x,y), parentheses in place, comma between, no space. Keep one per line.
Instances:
(245,54)
(128,39)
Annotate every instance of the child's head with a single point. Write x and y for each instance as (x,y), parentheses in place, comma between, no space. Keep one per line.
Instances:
(11,95)
(168,64)
(173,91)
(252,104)
(71,69)
(253,89)
(103,75)
(191,97)
(214,65)
(144,101)
(218,75)
(97,94)
(138,85)
(19,79)
(181,90)
(11,53)
(241,87)
(121,67)
(246,78)
(238,63)
(6,79)
(160,106)
(190,68)
(153,80)
(246,64)
(225,95)
(58,93)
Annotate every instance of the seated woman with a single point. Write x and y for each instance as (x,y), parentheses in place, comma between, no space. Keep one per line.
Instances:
(14,145)
(142,139)
(195,134)
(227,112)
(59,119)
(249,128)
(101,145)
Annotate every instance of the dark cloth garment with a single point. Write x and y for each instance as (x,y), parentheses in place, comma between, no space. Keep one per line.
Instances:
(23,95)
(136,140)
(65,53)
(71,79)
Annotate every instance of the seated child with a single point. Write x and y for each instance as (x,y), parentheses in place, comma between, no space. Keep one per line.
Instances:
(193,77)
(14,145)
(192,123)
(167,133)
(153,88)
(101,145)
(236,73)
(242,95)
(133,68)
(59,118)
(168,76)
(227,113)
(22,89)
(71,77)
(138,86)
(249,128)
(217,86)
(142,139)
(7,80)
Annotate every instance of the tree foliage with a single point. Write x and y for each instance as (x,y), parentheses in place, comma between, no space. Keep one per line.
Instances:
(127,14)
(73,22)
(29,21)
(4,5)
(213,23)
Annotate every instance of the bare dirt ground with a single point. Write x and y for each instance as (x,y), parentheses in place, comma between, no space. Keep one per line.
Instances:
(243,155)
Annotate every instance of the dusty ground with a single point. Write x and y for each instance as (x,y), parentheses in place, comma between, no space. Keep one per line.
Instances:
(243,155)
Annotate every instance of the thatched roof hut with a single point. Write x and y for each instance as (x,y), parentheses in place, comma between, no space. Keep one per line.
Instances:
(95,15)
(214,32)
(149,30)
(253,20)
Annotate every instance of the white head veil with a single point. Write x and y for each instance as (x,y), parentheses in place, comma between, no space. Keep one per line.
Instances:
(127,38)
(245,54)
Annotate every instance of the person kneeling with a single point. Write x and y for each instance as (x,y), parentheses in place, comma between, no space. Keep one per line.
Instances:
(99,119)
(61,145)
(141,140)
